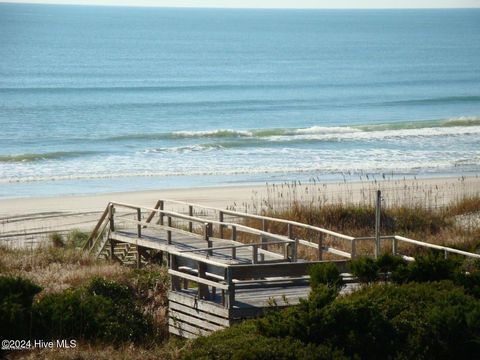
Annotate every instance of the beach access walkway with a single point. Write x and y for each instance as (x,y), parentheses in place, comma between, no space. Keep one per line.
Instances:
(223,271)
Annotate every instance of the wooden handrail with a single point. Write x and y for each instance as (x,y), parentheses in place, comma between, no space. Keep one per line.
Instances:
(173,214)
(267,218)
(437,247)
(236,246)
(95,230)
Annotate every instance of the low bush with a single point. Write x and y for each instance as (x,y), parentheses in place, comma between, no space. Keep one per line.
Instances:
(103,310)
(325,274)
(427,267)
(16,297)
(365,269)
(244,342)
(436,320)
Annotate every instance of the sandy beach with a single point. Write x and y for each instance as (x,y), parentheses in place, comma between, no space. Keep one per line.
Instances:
(36,216)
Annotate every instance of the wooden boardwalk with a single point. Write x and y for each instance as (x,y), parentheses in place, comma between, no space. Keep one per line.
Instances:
(221,270)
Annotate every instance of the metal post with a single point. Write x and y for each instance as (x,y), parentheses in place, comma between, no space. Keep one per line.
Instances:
(394,246)
(377,223)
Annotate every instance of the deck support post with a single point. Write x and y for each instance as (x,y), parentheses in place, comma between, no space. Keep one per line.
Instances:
(172,264)
(230,293)
(112,248)
(139,257)
(190,213)
(203,292)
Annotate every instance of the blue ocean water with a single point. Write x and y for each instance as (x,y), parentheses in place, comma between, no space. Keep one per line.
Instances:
(96,99)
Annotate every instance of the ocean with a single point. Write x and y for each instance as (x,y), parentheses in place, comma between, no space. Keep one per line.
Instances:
(100,99)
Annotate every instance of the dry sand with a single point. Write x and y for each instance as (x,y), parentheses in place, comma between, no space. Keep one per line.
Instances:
(36,216)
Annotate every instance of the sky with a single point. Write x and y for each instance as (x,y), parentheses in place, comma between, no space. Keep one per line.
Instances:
(322,4)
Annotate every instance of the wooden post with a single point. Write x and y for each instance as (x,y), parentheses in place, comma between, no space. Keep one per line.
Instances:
(139,257)
(190,213)
(161,206)
(320,247)
(220,219)
(294,245)
(169,232)
(263,246)
(203,292)
(230,293)
(139,226)
(172,264)
(234,233)
(234,253)
(111,213)
(377,223)
(353,254)
(254,254)
(206,235)
(112,248)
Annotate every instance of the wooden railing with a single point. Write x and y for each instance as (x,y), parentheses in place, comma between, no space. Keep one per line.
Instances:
(212,276)
(291,226)
(166,223)
(352,241)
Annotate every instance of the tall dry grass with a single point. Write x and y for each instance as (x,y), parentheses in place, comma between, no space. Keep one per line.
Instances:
(436,213)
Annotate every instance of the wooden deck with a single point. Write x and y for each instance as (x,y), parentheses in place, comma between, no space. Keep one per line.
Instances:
(221,270)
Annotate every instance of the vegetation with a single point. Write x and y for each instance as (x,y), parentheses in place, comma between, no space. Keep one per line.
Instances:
(426,309)
(424,317)
(418,212)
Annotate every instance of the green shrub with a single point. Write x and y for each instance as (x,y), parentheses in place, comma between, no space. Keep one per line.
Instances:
(429,267)
(292,321)
(103,310)
(325,274)
(243,342)
(435,320)
(365,269)
(16,297)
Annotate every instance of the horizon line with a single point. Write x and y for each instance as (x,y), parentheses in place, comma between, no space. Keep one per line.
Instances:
(239,7)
